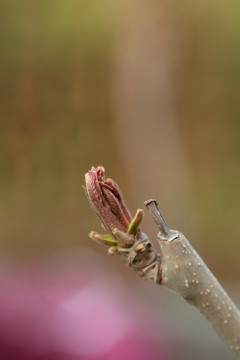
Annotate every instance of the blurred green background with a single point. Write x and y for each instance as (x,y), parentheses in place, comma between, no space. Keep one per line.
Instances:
(148,89)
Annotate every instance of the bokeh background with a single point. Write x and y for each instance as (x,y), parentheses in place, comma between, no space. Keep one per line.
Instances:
(150,90)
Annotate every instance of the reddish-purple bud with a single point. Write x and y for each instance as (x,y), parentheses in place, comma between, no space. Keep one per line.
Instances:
(106,200)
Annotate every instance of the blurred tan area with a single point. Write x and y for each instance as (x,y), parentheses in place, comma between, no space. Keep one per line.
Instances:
(148,89)
(151,91)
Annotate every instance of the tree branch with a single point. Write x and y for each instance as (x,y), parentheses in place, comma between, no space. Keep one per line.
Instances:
(185,273)
(176,266)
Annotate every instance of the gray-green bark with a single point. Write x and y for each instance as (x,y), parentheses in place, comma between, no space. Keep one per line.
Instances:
(184,272)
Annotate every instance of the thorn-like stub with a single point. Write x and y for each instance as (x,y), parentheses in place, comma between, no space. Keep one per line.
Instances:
(164,232)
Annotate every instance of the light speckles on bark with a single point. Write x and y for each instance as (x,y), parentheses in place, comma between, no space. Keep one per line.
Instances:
(197,285)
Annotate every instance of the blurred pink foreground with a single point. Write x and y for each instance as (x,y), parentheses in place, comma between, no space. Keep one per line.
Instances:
(57,312)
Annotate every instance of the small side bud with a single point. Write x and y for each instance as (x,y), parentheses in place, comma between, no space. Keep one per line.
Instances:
(124,240)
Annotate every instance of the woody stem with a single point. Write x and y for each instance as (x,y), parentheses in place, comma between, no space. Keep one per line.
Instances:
(185,273)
